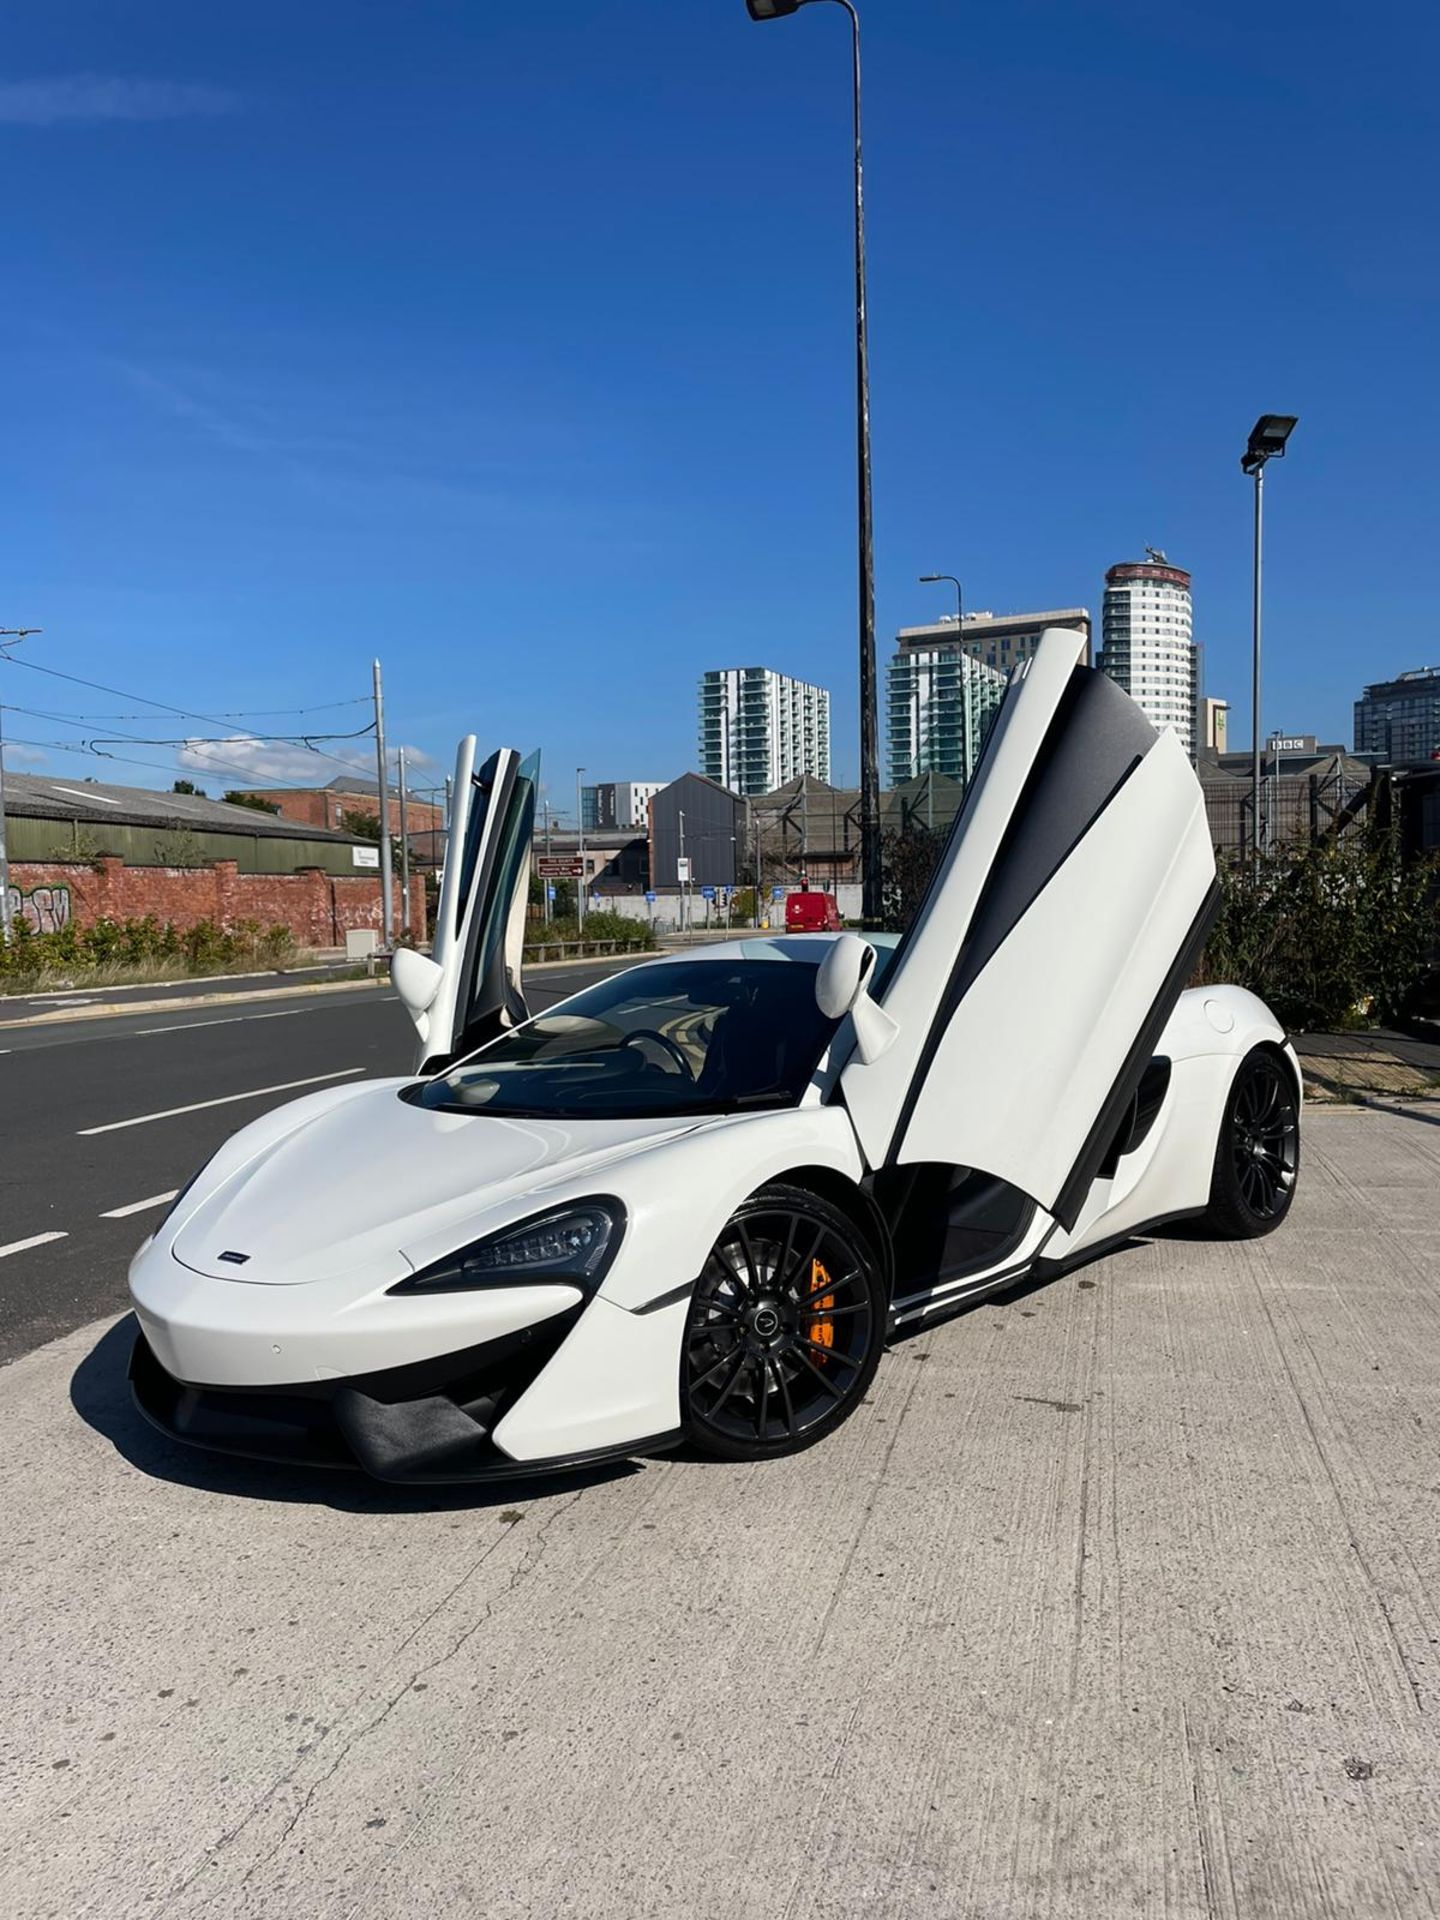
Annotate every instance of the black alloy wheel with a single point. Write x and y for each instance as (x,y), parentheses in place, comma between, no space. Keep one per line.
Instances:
(786,1328)
(1257,1158)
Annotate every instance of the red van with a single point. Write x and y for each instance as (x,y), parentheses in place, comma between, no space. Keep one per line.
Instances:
(812,913)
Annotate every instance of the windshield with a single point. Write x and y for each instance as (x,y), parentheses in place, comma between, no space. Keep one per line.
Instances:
(688,1036)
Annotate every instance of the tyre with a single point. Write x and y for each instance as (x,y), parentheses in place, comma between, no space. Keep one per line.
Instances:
(785,1330)
(1257,1156)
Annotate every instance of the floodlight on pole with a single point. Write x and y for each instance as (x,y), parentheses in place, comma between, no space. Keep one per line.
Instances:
(870,841)
(1267,442)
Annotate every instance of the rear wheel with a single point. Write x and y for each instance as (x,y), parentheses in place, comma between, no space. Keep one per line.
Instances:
(786,1328)
(1257,1157)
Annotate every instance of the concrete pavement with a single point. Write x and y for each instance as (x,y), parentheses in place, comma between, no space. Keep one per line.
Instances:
(1120,1596)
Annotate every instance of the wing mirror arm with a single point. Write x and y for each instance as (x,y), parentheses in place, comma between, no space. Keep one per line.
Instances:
(842,986)
(875,1031)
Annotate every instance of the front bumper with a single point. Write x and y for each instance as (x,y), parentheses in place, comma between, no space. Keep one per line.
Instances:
(425,1424)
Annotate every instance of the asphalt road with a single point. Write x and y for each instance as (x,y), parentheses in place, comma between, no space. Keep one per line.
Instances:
(1119,1597)
(165,1089)
(20,1006)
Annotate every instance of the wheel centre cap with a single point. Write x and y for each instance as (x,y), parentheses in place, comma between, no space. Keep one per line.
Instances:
(764,1321)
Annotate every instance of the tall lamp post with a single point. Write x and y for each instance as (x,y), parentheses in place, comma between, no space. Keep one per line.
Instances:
(927,580)
(869,725)
(16,634)
(1267,442)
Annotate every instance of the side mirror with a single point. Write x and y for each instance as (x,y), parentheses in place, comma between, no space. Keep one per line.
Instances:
(841,976)
(417,981)
(842,986)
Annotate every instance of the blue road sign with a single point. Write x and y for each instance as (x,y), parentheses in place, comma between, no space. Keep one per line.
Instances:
(550,891)
(777,893)
(651,898)
(707,893)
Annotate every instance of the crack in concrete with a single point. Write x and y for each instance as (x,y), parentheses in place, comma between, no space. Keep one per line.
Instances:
(278,1785)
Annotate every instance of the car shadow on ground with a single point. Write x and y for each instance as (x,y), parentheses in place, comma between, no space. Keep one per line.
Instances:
(100,1394)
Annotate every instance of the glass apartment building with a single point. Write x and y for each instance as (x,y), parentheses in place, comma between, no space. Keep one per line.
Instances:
(1400,718)
(759,728)
(939,705)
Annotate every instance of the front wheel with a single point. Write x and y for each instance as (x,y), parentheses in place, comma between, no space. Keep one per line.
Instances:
(785,1330)
(1257,1157)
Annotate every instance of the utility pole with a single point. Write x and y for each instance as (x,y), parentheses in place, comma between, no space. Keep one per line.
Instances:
(387,915)
(404,848)
(580,883)
(545,889)
(17,634)
(684,885)
(755,816)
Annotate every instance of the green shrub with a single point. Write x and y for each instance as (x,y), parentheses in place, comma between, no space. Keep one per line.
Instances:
(632,935)
(1329,936)
(138,944)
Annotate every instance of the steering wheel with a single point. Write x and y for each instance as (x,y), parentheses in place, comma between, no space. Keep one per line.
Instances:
(662,1041)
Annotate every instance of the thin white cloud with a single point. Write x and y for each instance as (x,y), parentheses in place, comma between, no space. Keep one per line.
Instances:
(277,762)
(22,756)
(77,99)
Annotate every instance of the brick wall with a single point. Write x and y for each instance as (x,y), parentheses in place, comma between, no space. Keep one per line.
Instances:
(317,907)
(319,807)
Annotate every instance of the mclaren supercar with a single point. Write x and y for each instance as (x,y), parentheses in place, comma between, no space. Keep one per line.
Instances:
(694,1201)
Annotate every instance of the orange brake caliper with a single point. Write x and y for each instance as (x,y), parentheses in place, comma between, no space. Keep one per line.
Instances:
(822,1332)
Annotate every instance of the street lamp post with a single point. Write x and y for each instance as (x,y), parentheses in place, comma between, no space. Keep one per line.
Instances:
(17,634)
(1267,442)
(869,725)
(580,884)
(929,579)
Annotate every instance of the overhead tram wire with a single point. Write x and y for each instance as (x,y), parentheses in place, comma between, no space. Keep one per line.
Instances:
(157,766)
(98,747)
(252,713)
(164,706)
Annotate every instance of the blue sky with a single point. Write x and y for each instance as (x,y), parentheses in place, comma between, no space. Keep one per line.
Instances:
(513,344)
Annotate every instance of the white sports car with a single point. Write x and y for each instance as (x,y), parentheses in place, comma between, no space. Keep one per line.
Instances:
(695,1201)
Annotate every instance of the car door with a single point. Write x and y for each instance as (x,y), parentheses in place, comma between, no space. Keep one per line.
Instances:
(1063,919)
(470,989)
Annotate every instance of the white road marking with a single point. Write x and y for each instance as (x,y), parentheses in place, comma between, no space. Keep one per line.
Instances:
(35,1240)
(225,1100)
(184,1026)
(139,1206)
(227,1020)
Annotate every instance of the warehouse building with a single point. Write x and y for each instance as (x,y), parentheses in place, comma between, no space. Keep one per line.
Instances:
(82,850)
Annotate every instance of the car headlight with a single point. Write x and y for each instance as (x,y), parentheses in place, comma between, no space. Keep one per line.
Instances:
(573,1246)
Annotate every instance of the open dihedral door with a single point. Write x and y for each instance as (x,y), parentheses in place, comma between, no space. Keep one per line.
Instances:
(1064,918)
(470,990)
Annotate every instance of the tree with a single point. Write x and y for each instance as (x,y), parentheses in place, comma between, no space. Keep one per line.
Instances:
(189,786)
(252,800)
(361,825)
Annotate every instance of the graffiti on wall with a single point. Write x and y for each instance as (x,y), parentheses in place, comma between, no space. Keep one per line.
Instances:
(43,909)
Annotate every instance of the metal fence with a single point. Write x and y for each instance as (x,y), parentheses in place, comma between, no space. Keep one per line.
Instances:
(1296,809)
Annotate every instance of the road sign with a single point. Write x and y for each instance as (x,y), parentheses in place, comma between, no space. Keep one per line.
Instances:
(651,898)
(707,893)
(558,866)
(550,891)
(777,893)
(682,870)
